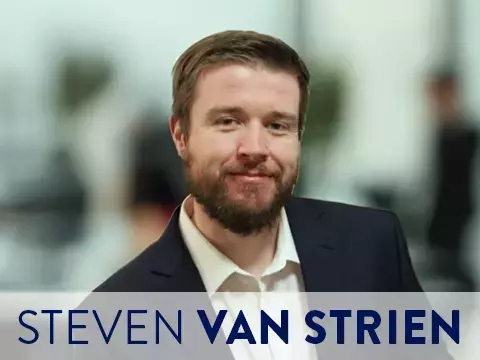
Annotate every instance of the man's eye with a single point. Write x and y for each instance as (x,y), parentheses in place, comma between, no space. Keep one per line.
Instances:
(277,126)
(227,121)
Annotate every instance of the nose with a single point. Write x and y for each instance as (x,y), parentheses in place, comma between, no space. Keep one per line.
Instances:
(253,143)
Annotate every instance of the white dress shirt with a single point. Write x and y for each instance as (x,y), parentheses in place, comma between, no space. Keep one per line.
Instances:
(227,285)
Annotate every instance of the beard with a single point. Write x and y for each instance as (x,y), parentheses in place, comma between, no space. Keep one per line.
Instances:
(211,191)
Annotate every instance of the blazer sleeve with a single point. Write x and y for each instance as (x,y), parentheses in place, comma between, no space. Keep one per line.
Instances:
(409,283)
(408,279)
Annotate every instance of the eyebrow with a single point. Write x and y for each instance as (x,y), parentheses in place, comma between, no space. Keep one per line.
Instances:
(235,110)
(215,111)
(281,115)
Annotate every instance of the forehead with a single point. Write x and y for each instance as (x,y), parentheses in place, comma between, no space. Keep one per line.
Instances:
(252,87)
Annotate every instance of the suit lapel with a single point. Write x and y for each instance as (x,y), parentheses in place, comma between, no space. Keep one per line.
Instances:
(169,263)
(315,244)
(316,248)
(172,269)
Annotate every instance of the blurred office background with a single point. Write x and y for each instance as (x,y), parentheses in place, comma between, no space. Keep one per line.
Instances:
(88,173)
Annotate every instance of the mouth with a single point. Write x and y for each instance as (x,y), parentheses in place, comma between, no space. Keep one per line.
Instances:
(251,177)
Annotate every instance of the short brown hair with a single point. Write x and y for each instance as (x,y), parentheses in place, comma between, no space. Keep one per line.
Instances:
(246,47)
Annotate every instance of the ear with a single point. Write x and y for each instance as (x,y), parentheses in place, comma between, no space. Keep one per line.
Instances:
(178,136)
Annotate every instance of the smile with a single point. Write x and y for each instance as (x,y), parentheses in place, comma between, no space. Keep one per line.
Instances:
(251,177)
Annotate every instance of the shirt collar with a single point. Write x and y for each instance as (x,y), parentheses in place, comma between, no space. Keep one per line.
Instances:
(215,268)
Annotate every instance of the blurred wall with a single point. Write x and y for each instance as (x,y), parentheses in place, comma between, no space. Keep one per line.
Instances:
(144,38)
(147,36)
(469,52)
(469,60)
(387,49)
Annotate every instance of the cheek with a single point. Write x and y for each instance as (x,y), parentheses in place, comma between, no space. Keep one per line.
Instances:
(287,155)
(220,142)
(210,151)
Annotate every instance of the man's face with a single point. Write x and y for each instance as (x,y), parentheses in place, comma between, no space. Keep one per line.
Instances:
(444,100)
(242,153)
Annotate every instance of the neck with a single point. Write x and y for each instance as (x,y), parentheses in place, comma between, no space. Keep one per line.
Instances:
(251,253)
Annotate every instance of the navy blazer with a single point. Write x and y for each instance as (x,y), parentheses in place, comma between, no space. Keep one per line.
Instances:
(342,248)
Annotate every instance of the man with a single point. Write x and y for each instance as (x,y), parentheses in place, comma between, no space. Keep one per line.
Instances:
(239,100)
(456,149)
(158,185)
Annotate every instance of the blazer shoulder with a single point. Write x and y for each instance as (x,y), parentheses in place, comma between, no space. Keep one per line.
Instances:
(348,212)
(349,222)
(131,276)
